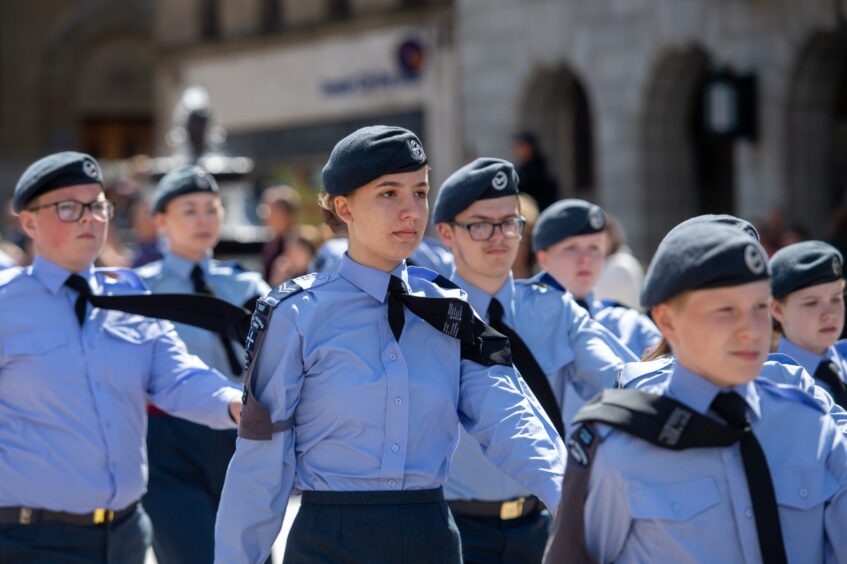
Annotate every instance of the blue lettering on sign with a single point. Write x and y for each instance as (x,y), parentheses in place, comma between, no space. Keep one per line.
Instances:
(366,82)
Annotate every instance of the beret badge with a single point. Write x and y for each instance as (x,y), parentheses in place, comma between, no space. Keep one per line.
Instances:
(595,218)
(500,181)
(417,150)
(89,168)
(754,260)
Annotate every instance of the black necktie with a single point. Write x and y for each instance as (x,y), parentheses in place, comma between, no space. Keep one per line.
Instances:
(733,409)
(528,367)
(828,373)
(396,317)
(78,283)
(201,287)
(584,305)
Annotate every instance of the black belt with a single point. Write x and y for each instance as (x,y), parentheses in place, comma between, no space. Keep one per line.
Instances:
(30,516)
(402,497)
(503,510)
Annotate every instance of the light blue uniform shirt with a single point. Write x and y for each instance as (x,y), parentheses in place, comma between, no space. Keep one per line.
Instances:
(6,261)
(810,360)
(649,504)
(429,254)
(574,352)
(633,329)
(72,399)
(371,414)
(172,275)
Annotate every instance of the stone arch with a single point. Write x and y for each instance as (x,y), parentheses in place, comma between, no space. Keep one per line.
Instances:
(684,172)
(96,50)
(555,107)
(817,131)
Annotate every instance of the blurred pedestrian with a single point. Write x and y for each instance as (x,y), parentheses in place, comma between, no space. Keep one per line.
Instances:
(74,378)
(623,274)
(535,177)
(146,243)
(299,254)
(278,211)
(357,399)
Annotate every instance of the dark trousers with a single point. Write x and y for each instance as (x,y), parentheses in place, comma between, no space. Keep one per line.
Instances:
(491,540)
(188,465)
(373,528)
(124,542)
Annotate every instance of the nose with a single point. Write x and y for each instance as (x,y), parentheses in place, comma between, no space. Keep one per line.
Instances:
(413,208)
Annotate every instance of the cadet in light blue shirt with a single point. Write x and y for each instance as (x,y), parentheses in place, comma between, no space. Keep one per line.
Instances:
(74,381)
(362,380)
(570,240)
(808,307)
(5,261)
(188,462)
(429,254)
(478,217)
(774,491)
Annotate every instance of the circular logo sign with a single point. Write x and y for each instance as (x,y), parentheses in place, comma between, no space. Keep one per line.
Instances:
(500,181)
(754,259)
(596,219)
(89,168)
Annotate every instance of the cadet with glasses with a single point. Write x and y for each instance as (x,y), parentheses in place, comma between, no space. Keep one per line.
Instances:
(360,380)
(554,345)
(188,461)
(714,464)
(75,378)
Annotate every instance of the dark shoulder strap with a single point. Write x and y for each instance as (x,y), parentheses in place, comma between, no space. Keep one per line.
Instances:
(256,421)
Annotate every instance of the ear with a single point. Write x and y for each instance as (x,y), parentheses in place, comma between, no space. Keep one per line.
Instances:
(665,319)
(28,223)
(343,209)
(541,257)
(445,233)
(777,311)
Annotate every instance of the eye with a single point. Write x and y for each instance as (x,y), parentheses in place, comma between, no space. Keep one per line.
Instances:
(421,194)
(761,306)
(811,303)
(388,194)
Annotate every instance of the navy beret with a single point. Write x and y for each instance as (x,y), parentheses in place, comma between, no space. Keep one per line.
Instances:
(58,170)
(368,153)
(184,179)
(480,179)
(804,264)
(725,219)
(699,256)
(567,218)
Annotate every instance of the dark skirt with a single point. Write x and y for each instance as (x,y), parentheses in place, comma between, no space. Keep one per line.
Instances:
(374,527)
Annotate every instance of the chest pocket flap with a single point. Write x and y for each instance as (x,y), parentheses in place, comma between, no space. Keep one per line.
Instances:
(674,502)
(132,328)
(803,488)
(35,343)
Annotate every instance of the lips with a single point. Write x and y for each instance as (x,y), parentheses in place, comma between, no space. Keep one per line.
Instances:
(85,236)
(748,356)
(406,235)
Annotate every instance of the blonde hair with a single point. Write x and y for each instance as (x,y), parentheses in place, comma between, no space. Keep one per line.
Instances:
(330,216)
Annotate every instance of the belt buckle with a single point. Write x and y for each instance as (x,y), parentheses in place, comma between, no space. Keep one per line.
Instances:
(103,516)
(511,509)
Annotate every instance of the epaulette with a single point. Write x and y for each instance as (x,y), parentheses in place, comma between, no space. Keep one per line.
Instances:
(150,270)
(789,392)
(432,276)
(841,348)
(636,370)
(234,265)
(782,359)
(119,275)
(544,281)
(614,303)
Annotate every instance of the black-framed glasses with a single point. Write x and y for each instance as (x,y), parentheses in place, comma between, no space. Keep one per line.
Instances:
(72,210)
(511,228)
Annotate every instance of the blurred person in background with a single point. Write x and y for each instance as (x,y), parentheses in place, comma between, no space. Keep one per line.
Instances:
(188,461)
(570,243)
(536,179)
(278,211)
(623,274)
(300,249)
(524,266)
(147,245)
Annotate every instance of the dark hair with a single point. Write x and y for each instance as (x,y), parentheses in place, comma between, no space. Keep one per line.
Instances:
(330,216)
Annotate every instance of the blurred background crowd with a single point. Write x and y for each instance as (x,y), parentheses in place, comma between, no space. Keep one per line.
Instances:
(657,110)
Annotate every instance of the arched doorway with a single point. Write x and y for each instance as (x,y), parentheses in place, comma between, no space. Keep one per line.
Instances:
(817,132)
(555,108)
(686,171)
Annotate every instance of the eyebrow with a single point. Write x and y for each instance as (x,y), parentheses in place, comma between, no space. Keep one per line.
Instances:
(493,219)
(394,183)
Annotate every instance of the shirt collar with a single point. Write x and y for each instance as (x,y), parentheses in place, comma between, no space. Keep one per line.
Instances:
(807,359)
(480,299)
(53,276)
(698,392)
(371,280)
(182,267)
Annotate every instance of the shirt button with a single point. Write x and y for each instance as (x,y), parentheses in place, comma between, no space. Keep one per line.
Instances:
(748,513)
(392,483)
(803,492)
(398,400)
(393,356)
(676,508)
(395,447)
